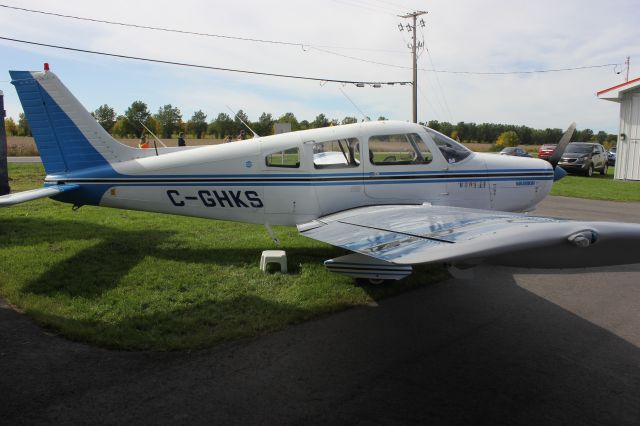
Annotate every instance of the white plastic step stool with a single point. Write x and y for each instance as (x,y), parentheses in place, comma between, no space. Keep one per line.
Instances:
(274,256)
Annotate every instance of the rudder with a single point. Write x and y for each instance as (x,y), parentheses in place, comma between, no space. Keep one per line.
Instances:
(67,136)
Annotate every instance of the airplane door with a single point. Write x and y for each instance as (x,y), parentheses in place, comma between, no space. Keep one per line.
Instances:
(399,168)
(287,195)
(337,173)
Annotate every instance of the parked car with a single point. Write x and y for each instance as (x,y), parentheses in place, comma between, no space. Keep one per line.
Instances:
(516,151)
(545,151)
(611,160)
(584,158)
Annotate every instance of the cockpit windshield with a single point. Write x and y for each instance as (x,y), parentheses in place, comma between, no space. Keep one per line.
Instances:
(452,151)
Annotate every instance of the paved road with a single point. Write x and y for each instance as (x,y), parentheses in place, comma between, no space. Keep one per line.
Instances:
(510,346)
(24,160)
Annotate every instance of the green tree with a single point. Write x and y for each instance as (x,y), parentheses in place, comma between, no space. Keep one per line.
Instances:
(153,125)
(349,120)
(222,126)
(446,128)
(264,125)
(23,125)
(382,118)
(106,116)
(304,125)
(135,114)
(197,125)
(585,135)
(290,118)
(119,128)
(168,118)
(237,122)
(509,138)
(601,136)
(320,121)
(10,126)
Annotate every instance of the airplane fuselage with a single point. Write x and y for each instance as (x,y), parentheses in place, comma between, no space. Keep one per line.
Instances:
(296,177)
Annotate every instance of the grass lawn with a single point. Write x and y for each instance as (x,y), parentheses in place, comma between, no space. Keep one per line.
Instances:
(597,187)
(135,280)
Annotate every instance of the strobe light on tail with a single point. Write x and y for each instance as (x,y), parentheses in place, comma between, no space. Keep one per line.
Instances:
(392,193)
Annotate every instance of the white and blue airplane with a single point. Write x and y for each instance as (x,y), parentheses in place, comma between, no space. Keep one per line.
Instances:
(394,194)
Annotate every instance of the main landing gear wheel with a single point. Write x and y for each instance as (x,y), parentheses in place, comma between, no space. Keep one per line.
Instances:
(373,281)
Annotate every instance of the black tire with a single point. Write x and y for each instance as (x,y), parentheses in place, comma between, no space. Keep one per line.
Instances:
(603,172)
(589,171)
(373,281)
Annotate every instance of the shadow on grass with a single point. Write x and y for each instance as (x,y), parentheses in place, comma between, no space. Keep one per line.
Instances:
(91,271)
(175,321)
(206,323)
(198,326)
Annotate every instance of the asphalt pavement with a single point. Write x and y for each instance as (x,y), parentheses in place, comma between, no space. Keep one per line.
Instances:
(511,345)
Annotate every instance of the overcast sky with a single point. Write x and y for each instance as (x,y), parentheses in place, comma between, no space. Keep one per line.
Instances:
(461,35)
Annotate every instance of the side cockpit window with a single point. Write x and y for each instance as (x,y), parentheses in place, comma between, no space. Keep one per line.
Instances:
(336,154)
(452,151)
(288,158)
(401,149)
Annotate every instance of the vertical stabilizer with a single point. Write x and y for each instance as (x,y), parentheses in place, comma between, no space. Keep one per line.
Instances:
(67,136)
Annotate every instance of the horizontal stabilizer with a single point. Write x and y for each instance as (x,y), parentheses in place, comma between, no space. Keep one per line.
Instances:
(34,194)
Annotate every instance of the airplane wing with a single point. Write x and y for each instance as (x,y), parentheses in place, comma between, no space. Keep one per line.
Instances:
(34,194)
(412,234)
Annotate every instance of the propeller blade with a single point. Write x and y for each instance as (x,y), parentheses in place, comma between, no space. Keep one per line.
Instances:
(562,145)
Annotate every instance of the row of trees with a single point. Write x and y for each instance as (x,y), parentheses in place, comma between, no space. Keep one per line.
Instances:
(20,129)
(168,121)
(490,132)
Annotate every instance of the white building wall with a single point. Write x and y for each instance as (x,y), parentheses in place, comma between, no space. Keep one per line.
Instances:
(628,152)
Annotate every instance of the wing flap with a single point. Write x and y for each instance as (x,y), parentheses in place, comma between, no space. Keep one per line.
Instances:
(423,234)
(34,194)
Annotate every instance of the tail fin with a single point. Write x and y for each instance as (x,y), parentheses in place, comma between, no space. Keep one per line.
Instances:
(67,136)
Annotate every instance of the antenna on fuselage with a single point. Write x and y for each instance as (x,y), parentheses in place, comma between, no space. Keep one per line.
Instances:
(364,116)
(235,115)
(154,136)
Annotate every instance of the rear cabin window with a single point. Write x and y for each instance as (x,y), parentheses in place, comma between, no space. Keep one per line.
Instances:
(336,154)
(288,158)
(390,150)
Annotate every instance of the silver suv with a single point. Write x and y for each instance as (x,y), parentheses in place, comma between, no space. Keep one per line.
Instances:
(584,158)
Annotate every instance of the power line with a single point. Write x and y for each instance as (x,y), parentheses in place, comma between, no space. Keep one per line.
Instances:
(429,104)
(302,45)
(446,71)
(359,59)
(160,61)
(444,98)
(395,5)
(520,72)
(193,33)
(367,6)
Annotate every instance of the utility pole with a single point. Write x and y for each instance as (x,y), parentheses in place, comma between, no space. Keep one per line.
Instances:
(414,56)
(628,64)
(4,173)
